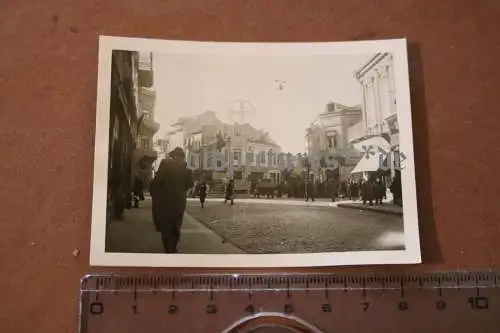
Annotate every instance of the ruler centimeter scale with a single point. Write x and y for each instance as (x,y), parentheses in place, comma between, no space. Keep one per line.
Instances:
(455,302)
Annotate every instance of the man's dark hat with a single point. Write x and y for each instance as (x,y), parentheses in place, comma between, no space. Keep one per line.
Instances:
(177,152)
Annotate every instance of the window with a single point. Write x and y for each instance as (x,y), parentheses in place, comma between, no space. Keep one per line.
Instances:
(249,157)
(145,143)
(237,158)
(262,159)
(332,141)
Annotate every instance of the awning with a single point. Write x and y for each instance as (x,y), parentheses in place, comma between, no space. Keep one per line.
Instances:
(372,163)
(373,144)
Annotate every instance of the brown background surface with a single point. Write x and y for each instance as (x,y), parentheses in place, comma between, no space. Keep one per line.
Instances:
(48,69)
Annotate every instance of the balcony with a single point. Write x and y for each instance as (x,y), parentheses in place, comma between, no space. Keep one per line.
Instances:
(355,132)
(147,99)
(145,69)
(149,126)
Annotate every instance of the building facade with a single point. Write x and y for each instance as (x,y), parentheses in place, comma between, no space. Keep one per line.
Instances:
(124,118)
(221,151)
(327,138)
(377,134)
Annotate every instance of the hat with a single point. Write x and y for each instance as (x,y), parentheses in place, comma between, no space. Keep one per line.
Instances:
(177,152)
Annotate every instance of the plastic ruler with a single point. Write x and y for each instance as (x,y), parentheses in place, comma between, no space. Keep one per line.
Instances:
(455,302)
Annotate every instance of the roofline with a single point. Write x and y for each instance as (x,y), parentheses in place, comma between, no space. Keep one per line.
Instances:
(378,57)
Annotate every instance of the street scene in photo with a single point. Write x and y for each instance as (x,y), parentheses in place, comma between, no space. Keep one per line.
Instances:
(226,153)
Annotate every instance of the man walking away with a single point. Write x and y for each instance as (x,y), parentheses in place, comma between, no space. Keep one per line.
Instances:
(310,189)
(155,198)
(379,189)
(173,181)
(202,192)
(396,189)
(353,191)
(230,192)
(367,192)
(334,189)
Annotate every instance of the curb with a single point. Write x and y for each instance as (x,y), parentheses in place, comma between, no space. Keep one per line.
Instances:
(371,209)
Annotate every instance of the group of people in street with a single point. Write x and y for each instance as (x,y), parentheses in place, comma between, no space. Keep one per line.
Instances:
(371,191)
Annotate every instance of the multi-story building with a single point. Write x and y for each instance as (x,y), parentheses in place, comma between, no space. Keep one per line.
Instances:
(378,129)
(327,139)
(144,154)
(124,121)
(227,151)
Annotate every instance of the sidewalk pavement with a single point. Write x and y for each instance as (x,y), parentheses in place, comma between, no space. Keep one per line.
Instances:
(136,233)
(387,208)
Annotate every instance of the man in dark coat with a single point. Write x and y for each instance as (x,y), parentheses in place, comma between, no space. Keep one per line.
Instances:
(367,192)
(379,191)
(172,182)
(333,189)
(310,191)
(354,191)
(202,192)
(396,189)
(229,192)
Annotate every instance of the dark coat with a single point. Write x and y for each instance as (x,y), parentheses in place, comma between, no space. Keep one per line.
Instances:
(367,191)
(379,190)
(169,187)
(202,189)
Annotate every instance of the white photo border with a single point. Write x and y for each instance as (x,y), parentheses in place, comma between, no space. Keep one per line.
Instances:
(98,255)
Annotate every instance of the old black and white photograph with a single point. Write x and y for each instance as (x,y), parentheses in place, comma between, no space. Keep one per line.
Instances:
(253,154)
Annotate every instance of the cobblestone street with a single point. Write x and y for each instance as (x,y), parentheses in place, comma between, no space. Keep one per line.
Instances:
(257,227)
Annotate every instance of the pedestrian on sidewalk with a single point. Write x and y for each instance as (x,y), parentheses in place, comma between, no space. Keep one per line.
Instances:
(396,189)
(379,191)
(333,188)
(202,192)
(155,198)
(310,191)
(367,192)
(173,181)
(138,191)
(229,192)
(353,191)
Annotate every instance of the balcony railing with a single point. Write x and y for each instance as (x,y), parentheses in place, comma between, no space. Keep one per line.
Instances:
(145,70)
(147,99)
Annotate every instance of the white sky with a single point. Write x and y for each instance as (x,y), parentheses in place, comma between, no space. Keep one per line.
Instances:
(187,85)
